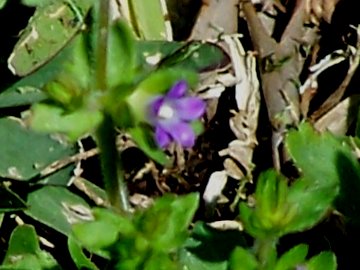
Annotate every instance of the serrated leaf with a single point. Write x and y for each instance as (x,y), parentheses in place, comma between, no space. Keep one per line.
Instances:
(57,208)
(326,164)
(24,153)
(316,155)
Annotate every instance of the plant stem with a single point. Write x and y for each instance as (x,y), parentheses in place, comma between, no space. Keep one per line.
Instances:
(102,44)
(111,166)
(265,250)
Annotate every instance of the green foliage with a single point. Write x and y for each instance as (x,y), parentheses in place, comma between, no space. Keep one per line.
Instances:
(56,54)
(147,240)
(282,208)
(148,19)
(242,259)
(192,55)
(25,153)
(49,118)
(78,256)
(208,248)
(2,3)
(57,208)
(122,56)
(46,35)
(292,258)
(328,168)
(24,252)
(323,261)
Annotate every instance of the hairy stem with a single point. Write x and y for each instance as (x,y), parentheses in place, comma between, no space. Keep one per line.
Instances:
(111,165)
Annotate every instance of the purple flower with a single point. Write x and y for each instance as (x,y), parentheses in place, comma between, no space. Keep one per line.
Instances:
(172,114)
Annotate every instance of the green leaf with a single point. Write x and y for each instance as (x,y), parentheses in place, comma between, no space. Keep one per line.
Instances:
(24,251)
(242,259)
(24,262)
(325,163)
(348,201)
(78,256)
(23,240)
(148,19)
(165,224)
(50,118)
(24,153)
(272,213)
(103,230)
(194,55)
(49,30)
(34,3)
(2,3)
(10,201)
(293,257)
(122,56)
(57,208)
(326,260)
(27,90)
(208,248)
(316,155)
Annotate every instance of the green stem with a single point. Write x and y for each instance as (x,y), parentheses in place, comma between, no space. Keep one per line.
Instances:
(111,165)
(102,45)
(265,250)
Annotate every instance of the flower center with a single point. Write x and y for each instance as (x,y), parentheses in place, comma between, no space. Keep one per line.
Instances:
(166,111)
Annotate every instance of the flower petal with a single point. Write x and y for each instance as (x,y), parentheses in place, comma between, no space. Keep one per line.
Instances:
(162,137)
(154,107)
(189,108)
(182,133)
(178,90)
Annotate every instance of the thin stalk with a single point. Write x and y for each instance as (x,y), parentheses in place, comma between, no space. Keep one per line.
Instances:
(113,173)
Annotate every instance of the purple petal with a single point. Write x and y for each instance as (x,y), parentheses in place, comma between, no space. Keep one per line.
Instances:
(190,108)
(162,137)
(182,133)
(154,107)
(178,90)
